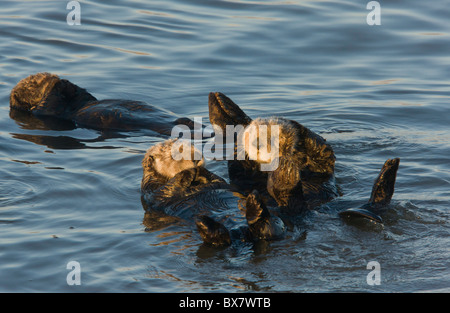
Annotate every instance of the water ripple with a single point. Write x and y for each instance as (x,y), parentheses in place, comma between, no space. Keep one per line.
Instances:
(374,92)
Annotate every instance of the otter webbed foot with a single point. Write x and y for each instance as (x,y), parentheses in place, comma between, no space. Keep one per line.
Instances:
(382,192)
(213,233)
(261,223)
(284,184)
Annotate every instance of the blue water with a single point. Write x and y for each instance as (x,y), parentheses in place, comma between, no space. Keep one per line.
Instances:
(374,92)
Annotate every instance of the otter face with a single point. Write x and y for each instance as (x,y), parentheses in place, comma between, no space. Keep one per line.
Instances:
(47,94)
(168,181)
(170,157)
(266,139)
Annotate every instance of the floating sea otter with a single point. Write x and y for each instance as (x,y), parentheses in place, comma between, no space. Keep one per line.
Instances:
(304,176)
(304,157)
(185,188)
(47,95)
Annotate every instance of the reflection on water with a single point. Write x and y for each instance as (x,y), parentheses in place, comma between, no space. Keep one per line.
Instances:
(28,121)
(374,92)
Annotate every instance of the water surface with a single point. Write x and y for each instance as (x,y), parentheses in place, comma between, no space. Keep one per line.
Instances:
(374,92)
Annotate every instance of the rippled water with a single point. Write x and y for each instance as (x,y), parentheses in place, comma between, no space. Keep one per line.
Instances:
(374,92)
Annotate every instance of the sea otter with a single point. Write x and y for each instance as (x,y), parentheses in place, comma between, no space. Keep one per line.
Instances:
(304,173)
(47,95)
(303,156)
(186,189)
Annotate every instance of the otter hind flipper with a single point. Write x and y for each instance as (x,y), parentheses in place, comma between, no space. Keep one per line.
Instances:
(212,232)
(361,212)
(223,111)
(383,188)
(382,192)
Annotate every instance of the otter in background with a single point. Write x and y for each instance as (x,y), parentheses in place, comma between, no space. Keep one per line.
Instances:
(46,95)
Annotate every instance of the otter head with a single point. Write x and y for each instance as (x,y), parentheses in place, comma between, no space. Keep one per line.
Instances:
(47,94)
(293,138)
(168,179)
(278,145)
(165,160)
(265,140)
